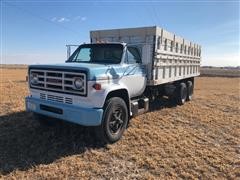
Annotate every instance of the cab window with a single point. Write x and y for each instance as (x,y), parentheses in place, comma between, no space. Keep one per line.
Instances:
(132,55)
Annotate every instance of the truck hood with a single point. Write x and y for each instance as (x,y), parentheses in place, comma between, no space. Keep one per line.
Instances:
(94,71)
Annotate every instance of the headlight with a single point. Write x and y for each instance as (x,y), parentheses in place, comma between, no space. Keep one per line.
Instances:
(78,83)
(34,78)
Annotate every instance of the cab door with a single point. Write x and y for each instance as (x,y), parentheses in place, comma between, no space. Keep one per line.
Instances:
(135,72)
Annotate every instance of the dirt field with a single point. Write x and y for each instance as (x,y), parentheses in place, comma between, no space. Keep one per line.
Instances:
(198,140)
(220,72)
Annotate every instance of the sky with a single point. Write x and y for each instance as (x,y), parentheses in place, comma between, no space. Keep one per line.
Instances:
(38,31)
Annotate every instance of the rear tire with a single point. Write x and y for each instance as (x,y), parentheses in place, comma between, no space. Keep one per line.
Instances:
(189,90)
(181,94)
(114,122)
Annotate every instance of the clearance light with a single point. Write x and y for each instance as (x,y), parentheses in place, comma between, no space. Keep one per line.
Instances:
(97,86)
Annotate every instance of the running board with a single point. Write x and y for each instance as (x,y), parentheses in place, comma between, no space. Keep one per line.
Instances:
(139,106)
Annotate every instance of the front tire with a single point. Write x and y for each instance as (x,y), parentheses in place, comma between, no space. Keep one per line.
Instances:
(114,122)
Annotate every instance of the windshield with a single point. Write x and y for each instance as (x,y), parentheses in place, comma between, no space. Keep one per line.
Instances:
(98,53)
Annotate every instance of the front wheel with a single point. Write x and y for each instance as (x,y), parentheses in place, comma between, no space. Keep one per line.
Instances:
(115,119)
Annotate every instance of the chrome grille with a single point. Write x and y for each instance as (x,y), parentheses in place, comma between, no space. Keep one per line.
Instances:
(68,100)
(59,81)
(42,96)
(54,98)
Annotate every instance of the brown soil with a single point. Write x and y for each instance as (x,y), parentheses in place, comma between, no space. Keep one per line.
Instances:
(200,139)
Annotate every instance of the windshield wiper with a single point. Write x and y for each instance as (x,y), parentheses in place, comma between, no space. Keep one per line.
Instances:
(76,60)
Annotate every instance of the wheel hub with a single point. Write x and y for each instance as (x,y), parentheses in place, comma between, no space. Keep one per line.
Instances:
(116,121)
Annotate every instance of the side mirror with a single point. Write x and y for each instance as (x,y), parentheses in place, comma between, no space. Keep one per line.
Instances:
(69,49)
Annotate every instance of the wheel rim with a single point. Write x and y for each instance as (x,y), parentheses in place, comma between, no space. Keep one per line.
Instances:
(116,120)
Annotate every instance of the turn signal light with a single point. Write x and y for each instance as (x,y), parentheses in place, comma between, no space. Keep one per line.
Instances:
(97,86)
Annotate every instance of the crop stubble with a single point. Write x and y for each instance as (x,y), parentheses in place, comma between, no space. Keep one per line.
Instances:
(200,139)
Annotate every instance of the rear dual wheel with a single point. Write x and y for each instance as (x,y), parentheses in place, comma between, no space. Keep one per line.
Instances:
(190,90)
(184,92)
(181,94)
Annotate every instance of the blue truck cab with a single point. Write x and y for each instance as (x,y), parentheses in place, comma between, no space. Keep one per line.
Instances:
(93,87)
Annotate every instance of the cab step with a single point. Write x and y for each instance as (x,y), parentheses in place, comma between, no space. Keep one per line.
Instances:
(139,106)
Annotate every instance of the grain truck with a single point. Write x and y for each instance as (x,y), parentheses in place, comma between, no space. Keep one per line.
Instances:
(113,78)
